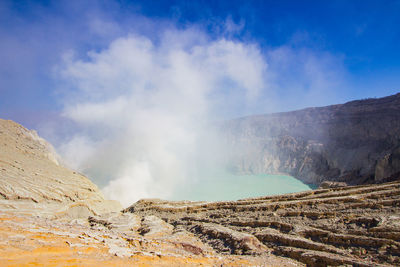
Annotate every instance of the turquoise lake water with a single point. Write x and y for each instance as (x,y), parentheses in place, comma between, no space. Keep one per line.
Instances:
(226,186)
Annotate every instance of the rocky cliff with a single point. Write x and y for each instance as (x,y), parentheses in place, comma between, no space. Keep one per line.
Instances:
(356,142)
(31,177)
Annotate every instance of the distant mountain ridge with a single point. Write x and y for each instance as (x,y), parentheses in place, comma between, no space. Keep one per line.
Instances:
(356,142)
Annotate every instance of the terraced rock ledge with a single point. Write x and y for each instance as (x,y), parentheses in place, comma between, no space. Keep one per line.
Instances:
(357,225)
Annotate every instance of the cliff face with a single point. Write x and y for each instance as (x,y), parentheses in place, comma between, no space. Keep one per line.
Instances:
(31,176)
(356,142)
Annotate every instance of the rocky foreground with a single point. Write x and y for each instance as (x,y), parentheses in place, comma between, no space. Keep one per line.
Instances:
(53,216)
(357,225)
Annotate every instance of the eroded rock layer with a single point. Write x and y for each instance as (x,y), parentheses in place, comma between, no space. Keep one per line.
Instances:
(32,178)
(357,225)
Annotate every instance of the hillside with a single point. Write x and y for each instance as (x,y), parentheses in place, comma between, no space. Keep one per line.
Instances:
(357,142)
(31,176)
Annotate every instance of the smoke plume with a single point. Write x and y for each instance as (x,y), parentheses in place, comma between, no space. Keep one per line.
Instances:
(145,109)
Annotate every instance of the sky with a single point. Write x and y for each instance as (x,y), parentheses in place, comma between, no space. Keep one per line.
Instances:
(357,41)
(127,91)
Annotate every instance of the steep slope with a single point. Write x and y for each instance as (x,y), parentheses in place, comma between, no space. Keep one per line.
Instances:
(357,142)
(30,175)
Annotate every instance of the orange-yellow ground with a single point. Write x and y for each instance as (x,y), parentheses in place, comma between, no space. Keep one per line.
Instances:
(31,245)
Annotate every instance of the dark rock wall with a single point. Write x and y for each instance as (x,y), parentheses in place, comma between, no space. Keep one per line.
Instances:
(357,142)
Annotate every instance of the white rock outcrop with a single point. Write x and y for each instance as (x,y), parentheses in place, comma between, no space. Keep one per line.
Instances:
(30,174)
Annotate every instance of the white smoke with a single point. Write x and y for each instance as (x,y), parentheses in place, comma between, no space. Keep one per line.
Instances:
(143,108)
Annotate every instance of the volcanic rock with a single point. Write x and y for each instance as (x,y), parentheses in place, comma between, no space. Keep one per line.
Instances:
(357,142)
(351,225)
(32,177)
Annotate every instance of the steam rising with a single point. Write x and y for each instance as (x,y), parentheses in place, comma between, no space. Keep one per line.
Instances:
(144,109)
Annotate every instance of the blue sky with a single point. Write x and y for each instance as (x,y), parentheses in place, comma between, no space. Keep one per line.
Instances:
(358,41)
